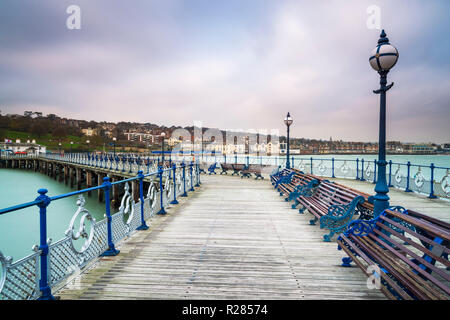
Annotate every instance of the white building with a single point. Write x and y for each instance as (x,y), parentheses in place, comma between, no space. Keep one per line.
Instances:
(30,147)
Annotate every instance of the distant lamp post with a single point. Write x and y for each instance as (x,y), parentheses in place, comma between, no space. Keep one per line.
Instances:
(163,134)
(71,144)
(288,121)
(59,148)
(382,59)
(114,146)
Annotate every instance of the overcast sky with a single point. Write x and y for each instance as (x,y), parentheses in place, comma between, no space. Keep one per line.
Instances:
(231,64)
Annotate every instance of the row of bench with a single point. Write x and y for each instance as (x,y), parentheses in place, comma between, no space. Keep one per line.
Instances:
(403,252)
(239,169)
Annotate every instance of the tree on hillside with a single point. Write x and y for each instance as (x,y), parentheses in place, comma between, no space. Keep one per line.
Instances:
(38,129)
(59,132)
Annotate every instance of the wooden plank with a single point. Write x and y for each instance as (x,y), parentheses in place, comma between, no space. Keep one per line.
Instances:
(232,239)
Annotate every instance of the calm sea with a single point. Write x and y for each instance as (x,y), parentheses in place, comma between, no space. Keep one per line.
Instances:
(19,230)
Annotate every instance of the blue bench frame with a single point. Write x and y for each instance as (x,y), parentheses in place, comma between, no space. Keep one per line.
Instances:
(212,168)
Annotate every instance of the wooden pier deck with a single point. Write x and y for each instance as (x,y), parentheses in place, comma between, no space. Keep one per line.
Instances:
(234,239)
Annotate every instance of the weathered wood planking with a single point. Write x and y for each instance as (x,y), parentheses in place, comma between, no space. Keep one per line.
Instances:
(234,239)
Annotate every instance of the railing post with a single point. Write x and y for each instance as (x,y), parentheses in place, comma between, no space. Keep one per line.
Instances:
(390,173)
(432,196)
(408,177)
(111,251)
(183,165)
(357,169)
(192,180)
(235,159)
(374,171)
(248,160)
(332,168)
(43,246)
(311,165)
(362,170)
(143,225)
(197,173)
(174,201)
(292,162)
(160,172)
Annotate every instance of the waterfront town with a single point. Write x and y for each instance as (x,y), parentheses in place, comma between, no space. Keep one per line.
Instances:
(26,134)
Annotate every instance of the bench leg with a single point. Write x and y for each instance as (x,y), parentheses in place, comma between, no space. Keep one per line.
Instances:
(327,237)
(295,204)
(301,210)
(313,221)
(346,262)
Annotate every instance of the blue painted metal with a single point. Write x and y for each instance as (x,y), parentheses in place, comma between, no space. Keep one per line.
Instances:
(183,165)
(408,177)
(312,165)
(111,251)
(160,173)
(44,201)
(302,190)
(390,174)
(212,168)
(332,168)
(198,174)
(362,170)
(143,225)
(190,173)
(381,198)
(432,196)
(288,165)
(339,217)
(174,168)
(357,169)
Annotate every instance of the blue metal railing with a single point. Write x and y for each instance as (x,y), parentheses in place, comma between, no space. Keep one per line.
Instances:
(34,276)
(434,181)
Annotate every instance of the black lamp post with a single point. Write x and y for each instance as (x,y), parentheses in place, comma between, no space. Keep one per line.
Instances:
(382,59)
(288,121)
(114,146)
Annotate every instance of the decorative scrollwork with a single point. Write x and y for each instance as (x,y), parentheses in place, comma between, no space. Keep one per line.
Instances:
(179,181)
(4,263)
(345,168)
(398,175)
(168,185)
(81,233)
(419,179)
(321,167)
(301,166)
(360,228)
(445,183)
(127,204)
(151,196)
(367,171)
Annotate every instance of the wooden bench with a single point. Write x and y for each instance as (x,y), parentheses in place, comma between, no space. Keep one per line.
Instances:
(333,205)
(256,169)
(237,168)
(212,168)
(245,171)
(298,182)
(202,168)
(405,252)
(225,167)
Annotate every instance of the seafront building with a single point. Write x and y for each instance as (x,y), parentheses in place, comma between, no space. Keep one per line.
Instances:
(18,147)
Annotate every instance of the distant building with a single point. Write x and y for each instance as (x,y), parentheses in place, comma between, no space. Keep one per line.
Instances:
(18,147)
(141,137)
(89,132)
